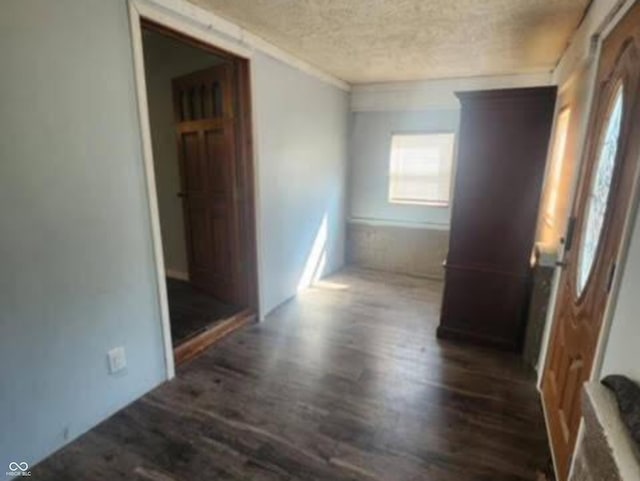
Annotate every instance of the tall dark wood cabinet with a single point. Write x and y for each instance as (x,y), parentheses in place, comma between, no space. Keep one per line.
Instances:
(502,150)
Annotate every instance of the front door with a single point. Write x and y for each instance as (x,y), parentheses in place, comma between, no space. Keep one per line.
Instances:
(594,238)
(204,113)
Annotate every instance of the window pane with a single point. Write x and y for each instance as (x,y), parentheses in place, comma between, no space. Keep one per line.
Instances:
(420,168)
(599,193)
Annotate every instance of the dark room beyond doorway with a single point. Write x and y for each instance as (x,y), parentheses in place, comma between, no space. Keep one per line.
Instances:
(196,121)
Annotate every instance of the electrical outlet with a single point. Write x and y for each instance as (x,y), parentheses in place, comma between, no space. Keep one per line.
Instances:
(117,360)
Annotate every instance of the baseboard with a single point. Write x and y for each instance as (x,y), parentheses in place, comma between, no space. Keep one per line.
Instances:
(452,334)
(548,431)
(194,346)
(175,274)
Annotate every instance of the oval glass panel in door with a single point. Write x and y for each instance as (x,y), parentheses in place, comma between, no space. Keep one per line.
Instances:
(596,207)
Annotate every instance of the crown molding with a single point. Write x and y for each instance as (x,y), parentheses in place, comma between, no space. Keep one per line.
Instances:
(434,93)
(230,36)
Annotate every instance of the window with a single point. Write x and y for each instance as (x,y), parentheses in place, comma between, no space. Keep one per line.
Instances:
(420,168)
(598,201)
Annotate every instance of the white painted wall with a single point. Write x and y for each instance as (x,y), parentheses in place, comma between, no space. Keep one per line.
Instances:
(301,145)
(77,273)
(166,59)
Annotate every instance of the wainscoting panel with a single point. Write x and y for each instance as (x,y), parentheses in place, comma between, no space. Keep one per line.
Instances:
(417,251)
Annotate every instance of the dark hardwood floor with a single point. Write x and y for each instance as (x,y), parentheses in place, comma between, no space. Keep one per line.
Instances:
(192,311)
(345,382)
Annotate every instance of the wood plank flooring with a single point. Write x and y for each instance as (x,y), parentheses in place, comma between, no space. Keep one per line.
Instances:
(345,382)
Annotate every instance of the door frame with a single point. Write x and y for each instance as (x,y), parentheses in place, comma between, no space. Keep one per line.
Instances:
(609,23)
(629,222)
(180,23)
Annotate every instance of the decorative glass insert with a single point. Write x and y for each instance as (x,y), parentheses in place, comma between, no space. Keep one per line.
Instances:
(597,201)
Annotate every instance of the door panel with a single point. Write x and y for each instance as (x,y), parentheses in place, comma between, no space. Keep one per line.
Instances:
(205,127)
(600,210)
(201,258)
(192,162)
(218,167)
(220,245)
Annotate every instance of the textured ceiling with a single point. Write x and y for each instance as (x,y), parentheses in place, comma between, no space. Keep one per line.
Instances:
(392,40)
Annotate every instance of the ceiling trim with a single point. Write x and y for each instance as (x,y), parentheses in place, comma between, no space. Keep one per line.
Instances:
(242,39)
(156,12)
(601,16)
(435,93)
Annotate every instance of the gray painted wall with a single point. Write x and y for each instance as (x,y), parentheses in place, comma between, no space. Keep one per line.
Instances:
(410,239)
(77,273)
(166,59)
(369,177)
(302,127)
(301,147)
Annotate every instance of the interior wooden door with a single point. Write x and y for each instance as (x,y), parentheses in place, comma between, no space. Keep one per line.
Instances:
(204,115)
(594,237)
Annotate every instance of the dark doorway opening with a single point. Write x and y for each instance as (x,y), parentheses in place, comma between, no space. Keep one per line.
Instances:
(199,116)
(192,311)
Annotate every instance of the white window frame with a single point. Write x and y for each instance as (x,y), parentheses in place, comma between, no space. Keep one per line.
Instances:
(427,203)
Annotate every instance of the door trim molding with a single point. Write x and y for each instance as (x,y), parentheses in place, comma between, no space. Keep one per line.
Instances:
(177,16)
(601,34)
(573,189)
(211,28)
(627,231)
(602,31)
(152,198)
